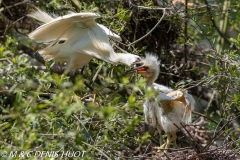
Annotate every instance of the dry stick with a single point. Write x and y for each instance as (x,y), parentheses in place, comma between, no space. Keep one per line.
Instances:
(164,12)
(81,124)
(96,74)
(5,6)
(97,150)
(9,145)
(195,144)
(173,149)
(197,148)
(190,140)
(210,101)
(228,144)
(205,117)
(16,23)
(218,135)
(124,51)
(224,141)
(230,132)
(200,82)
(16,4)
(214,133)
(11,23)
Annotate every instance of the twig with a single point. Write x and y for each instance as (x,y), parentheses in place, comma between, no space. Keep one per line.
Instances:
(97,150)
(173,149)
(96,74)
(218,135)
(6,59)
(214,133)
(190,140)
(227,136)
(164,12)
(16,4)
(9,145)
(198,147)
(205,117)
(89,86)
(51,134)
(83,125)
(124,51)
(3,117)
(210,101)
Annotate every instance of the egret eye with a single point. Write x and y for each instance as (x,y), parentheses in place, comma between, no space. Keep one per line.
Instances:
(146,68)
(61,41)
(138,64)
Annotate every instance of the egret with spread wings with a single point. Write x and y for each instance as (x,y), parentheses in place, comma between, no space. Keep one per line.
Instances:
(168,107)
(76,38)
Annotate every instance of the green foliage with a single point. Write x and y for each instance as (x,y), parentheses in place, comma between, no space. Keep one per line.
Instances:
(41,110)
(45,111)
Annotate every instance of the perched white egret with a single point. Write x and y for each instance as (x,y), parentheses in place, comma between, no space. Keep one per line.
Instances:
(76,38)
(169,107)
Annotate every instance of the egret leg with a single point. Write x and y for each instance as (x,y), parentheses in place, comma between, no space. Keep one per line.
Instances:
(171,140)
(160,134)
(174,138)
(168,144)
(162,145)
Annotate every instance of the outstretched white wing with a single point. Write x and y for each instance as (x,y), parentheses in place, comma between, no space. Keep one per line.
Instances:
(76,38)
(61,23)
(53,29)
(110,33)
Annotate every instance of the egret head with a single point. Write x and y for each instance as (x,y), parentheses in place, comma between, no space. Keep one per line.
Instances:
(148,67)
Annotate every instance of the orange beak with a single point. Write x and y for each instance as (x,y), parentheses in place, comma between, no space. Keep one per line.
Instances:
(143,71)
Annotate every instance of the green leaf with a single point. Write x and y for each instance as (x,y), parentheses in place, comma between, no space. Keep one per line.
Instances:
(19,96)
(238,38)
(236,96)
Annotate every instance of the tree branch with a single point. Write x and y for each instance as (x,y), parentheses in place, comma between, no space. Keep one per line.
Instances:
(164,12)
(215,25)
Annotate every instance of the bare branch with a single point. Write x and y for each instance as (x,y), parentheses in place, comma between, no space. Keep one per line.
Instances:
(164,12)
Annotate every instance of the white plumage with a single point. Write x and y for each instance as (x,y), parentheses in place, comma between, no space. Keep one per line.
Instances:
(169,107)
(76,38)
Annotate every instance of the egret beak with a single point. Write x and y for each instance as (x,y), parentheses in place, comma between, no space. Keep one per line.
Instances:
(135,66)
(138,69)
(143,71)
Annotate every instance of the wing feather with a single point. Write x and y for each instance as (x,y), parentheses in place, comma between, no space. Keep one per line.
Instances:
(51,30)
(41,16)
(110,33)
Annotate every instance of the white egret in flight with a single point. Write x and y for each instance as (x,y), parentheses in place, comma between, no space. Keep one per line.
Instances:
(76,38)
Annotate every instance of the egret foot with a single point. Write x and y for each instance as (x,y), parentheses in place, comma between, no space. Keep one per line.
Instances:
(162,148)
(171,142)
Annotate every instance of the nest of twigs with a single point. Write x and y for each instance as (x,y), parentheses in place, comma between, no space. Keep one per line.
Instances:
(195,143)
